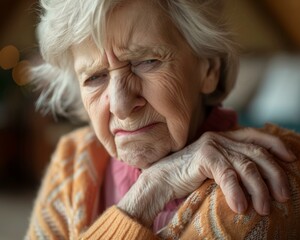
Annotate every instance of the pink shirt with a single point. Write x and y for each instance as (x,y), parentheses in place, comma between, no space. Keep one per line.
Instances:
(120,176)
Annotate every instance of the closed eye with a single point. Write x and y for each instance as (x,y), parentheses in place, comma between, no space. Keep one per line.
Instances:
(97,78)
(145,66)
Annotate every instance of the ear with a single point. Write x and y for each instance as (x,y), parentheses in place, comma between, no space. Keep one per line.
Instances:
(211,74)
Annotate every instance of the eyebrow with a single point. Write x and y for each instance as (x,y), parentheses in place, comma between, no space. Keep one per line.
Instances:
(88,67)
(125,54)
(138,52)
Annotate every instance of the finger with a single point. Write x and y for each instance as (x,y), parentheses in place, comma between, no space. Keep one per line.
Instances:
(254,184)
(251,179)
(269,169)
(233,192)
(216,166)
(265,140)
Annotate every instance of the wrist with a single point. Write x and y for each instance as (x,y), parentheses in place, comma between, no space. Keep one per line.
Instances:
(145,199)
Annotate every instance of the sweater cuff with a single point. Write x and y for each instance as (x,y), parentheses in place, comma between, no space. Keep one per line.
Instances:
(115,224)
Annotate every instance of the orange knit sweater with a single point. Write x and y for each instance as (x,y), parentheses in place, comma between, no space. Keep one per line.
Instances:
(69,200)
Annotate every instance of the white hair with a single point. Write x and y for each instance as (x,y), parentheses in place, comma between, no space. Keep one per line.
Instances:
(64,23)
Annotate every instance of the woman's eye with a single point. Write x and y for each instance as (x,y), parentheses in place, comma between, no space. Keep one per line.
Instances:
(97,78)
(150,61)
(146,65)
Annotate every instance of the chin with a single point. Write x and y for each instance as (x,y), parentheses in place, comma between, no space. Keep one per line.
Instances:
(142,156)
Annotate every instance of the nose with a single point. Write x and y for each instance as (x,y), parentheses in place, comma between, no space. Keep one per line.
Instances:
(124,93)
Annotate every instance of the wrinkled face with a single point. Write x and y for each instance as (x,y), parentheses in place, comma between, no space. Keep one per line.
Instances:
(143,94)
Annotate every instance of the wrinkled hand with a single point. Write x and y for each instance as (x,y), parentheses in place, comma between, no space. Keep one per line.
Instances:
(243,158)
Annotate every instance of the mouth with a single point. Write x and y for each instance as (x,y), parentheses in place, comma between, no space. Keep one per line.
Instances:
(124,132)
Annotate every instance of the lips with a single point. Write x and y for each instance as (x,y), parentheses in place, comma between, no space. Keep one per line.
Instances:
(119,131)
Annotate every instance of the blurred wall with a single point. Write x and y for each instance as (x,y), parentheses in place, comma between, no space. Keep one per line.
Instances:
(268,86)
(27,138)
(256,31)
(18,19)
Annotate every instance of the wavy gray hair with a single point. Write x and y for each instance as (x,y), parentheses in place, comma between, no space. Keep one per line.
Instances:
(67,22)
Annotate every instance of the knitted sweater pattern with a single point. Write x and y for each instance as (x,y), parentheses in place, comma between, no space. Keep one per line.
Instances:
(68,203)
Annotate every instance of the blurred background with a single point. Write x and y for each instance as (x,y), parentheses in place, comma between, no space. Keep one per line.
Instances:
(268,90)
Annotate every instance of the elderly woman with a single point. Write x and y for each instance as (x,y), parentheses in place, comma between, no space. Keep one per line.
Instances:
(151,75)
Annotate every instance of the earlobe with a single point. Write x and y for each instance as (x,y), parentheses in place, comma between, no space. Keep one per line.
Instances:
(211,75)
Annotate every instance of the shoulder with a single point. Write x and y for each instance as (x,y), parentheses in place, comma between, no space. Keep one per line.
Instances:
(68,198)
(77,151)
(75,141)
(289,137)
(80,141)
(206,214)
(77,166)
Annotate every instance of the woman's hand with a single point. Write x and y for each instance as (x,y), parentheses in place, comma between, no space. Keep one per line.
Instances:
(245,157)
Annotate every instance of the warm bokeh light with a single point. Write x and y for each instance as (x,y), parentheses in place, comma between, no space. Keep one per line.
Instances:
(20,73)
(9,57)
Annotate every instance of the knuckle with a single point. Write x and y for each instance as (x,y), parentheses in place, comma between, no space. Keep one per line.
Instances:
(259,151)
(209,141)
(212,139)
(250,147)
(230,155)
(237,157)
(208,150)
(248,169)
(228,179)
(209,136)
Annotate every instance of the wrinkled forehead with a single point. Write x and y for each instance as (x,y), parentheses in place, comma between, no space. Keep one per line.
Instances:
(134,21)
(131,26)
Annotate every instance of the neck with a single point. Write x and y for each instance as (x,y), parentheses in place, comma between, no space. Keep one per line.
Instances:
(196,124)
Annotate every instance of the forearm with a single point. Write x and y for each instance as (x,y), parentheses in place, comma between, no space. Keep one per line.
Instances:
(135,213)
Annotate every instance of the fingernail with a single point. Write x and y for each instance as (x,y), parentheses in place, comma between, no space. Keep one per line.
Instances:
(266,208)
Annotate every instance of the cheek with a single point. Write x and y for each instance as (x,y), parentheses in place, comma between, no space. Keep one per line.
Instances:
(97,107)
(168,96)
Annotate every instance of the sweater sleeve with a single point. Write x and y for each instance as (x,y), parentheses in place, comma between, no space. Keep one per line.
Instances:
(115,224)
